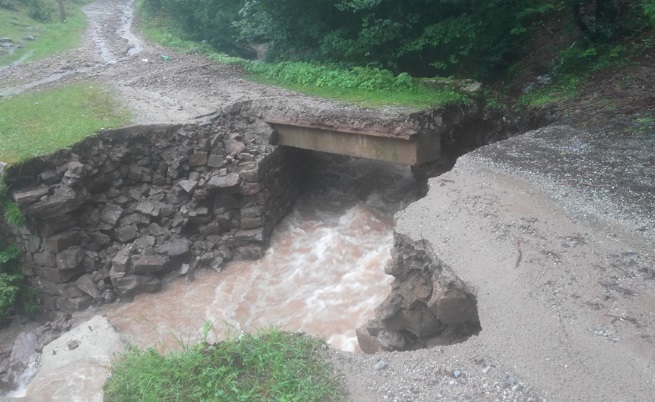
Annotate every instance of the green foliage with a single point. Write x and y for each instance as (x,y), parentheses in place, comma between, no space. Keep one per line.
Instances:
(9,289)
(649,11)
(15,294)
(209,21)
(8,254)
(43,122)
(421,37)
(10,280)
(369,87)
(13,215)
(579,60)
(270,366)
(577,63)
(11,211)
(40,10)
(8,4)
(366,78)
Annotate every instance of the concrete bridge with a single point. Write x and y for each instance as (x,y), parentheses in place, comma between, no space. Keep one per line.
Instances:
(407,148)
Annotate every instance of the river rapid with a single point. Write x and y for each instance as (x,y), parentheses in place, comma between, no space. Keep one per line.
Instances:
(323,273)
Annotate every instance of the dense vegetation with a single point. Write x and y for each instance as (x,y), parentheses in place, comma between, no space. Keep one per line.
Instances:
(15,294)
(270,366)
(479,39)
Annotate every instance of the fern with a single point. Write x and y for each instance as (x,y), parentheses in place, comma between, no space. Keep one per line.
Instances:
(13,215)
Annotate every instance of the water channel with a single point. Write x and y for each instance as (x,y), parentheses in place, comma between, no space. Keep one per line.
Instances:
(323,273)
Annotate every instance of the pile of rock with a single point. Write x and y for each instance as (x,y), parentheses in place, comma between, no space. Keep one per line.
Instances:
(113,214)
(427,306)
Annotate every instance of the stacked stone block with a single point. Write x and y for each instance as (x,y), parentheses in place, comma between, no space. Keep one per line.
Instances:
(114,214)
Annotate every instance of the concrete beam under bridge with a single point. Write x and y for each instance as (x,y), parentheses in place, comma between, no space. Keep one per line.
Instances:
(407,150)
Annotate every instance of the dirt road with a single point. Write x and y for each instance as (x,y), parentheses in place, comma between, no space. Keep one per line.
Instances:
(178,88)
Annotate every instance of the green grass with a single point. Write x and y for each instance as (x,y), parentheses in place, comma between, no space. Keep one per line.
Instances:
(42,122)
(270,366)
(418,98)
(364,86)
(51,37)
(550,94)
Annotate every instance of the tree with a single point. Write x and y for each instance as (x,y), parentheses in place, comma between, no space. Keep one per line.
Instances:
(62,10)
(600,25)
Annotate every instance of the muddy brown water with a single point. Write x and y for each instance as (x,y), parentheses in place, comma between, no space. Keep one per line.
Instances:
(323,273)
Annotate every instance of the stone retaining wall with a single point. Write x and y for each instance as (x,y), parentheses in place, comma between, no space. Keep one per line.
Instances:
(118,211)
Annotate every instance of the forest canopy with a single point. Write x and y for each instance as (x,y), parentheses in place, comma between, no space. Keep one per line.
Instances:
(422,37)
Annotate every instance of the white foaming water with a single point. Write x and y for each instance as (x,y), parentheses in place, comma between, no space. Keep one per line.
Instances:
(25,377)
(323,273)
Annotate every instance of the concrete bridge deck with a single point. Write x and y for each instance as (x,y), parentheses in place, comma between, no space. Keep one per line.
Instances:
(408,149)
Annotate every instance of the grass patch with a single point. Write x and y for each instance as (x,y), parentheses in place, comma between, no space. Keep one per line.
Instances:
(42,122)
(270,366)
(51,37)
(550,94)
(418,98)
(364,86)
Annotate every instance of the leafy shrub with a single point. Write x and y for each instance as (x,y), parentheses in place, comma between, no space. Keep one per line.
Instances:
(649,11)
(13,215)
(8,4)
(40,10)
(10,281)
(15,294)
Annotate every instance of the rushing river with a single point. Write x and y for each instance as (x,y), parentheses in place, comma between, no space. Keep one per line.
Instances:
(323,274)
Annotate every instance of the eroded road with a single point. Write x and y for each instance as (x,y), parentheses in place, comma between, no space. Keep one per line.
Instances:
(179,88)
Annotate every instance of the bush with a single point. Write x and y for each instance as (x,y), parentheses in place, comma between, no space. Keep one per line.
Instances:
(40,10)
(8,4)
(16,296)
(649,11)
(10,281)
